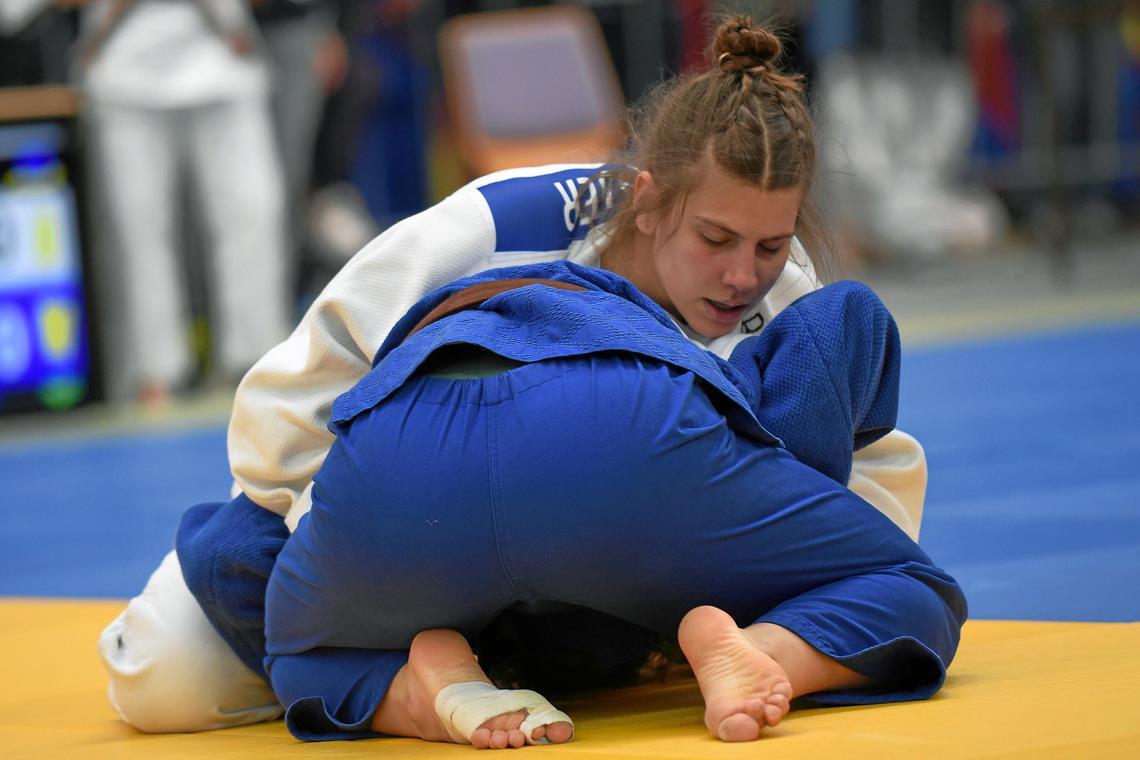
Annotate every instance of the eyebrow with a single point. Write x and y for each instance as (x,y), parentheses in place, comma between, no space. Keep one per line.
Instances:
(729,230)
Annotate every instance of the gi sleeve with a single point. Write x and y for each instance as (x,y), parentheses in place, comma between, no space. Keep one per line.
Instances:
(277,435)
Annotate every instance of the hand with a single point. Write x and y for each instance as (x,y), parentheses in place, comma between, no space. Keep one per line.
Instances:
(330,64)
(241,43)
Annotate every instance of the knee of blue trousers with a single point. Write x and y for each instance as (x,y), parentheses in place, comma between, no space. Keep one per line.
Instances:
(849,321)
(169,669)
(826,374)
(850,318)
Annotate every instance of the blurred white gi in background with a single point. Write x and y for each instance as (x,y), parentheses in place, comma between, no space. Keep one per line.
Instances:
(174,87)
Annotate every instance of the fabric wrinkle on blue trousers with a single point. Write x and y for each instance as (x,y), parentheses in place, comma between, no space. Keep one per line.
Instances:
(617,480)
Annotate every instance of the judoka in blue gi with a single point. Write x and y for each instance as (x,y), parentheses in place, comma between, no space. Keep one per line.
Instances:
(612,465)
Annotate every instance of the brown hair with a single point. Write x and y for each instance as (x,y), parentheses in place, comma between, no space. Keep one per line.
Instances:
(742,112)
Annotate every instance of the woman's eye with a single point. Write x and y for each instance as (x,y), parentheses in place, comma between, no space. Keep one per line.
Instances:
(714,241)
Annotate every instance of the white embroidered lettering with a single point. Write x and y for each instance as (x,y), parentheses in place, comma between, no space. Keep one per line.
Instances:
(569,204)
(598,198)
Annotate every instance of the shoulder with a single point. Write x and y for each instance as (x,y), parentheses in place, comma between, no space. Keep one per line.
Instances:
(513,212)
(536,209)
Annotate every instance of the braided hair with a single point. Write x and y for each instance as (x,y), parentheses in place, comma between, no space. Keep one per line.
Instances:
(768,132)
(742,112)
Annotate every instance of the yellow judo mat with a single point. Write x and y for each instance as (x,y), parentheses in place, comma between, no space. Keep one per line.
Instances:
(1016,690)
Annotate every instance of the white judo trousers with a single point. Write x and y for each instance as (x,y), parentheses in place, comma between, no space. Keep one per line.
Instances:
(227,147)
(171,671)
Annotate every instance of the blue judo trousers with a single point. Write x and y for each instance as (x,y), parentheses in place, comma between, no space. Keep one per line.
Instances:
(619,468)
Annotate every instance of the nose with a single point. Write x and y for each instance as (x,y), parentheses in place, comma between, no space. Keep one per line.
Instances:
(740,273)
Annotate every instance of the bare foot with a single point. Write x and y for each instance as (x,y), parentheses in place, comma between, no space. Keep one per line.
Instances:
(744,688)
(437,659)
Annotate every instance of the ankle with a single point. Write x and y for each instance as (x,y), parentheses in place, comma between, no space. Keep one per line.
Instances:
(394,715)
(775,641)
(441,657)
(809,670)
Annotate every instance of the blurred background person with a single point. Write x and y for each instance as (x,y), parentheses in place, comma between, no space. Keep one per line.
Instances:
(372,150)
(390,163)
(309,55)
(175,90)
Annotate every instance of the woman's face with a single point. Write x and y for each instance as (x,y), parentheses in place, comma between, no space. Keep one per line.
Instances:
(719,251)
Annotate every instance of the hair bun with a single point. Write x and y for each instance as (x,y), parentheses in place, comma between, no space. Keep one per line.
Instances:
(740,46)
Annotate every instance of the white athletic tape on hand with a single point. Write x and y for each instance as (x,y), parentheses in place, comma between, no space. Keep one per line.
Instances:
(463,707)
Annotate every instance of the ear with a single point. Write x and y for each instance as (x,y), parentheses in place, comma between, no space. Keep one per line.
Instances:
(643,188)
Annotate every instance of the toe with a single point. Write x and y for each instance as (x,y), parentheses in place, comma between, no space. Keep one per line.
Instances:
(738,728)
(516,738)
(558,733)
(480,738)
(499,739)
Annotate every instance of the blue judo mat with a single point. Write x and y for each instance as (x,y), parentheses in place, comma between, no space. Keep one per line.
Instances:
(1033,503)
(1034,452)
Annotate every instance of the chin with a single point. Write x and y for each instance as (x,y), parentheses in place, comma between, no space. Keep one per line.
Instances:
(713,331)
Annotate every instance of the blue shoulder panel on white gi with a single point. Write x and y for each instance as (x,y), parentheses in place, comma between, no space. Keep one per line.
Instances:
(540,213)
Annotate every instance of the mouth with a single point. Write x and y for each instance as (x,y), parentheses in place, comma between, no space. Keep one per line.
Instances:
(724,312)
